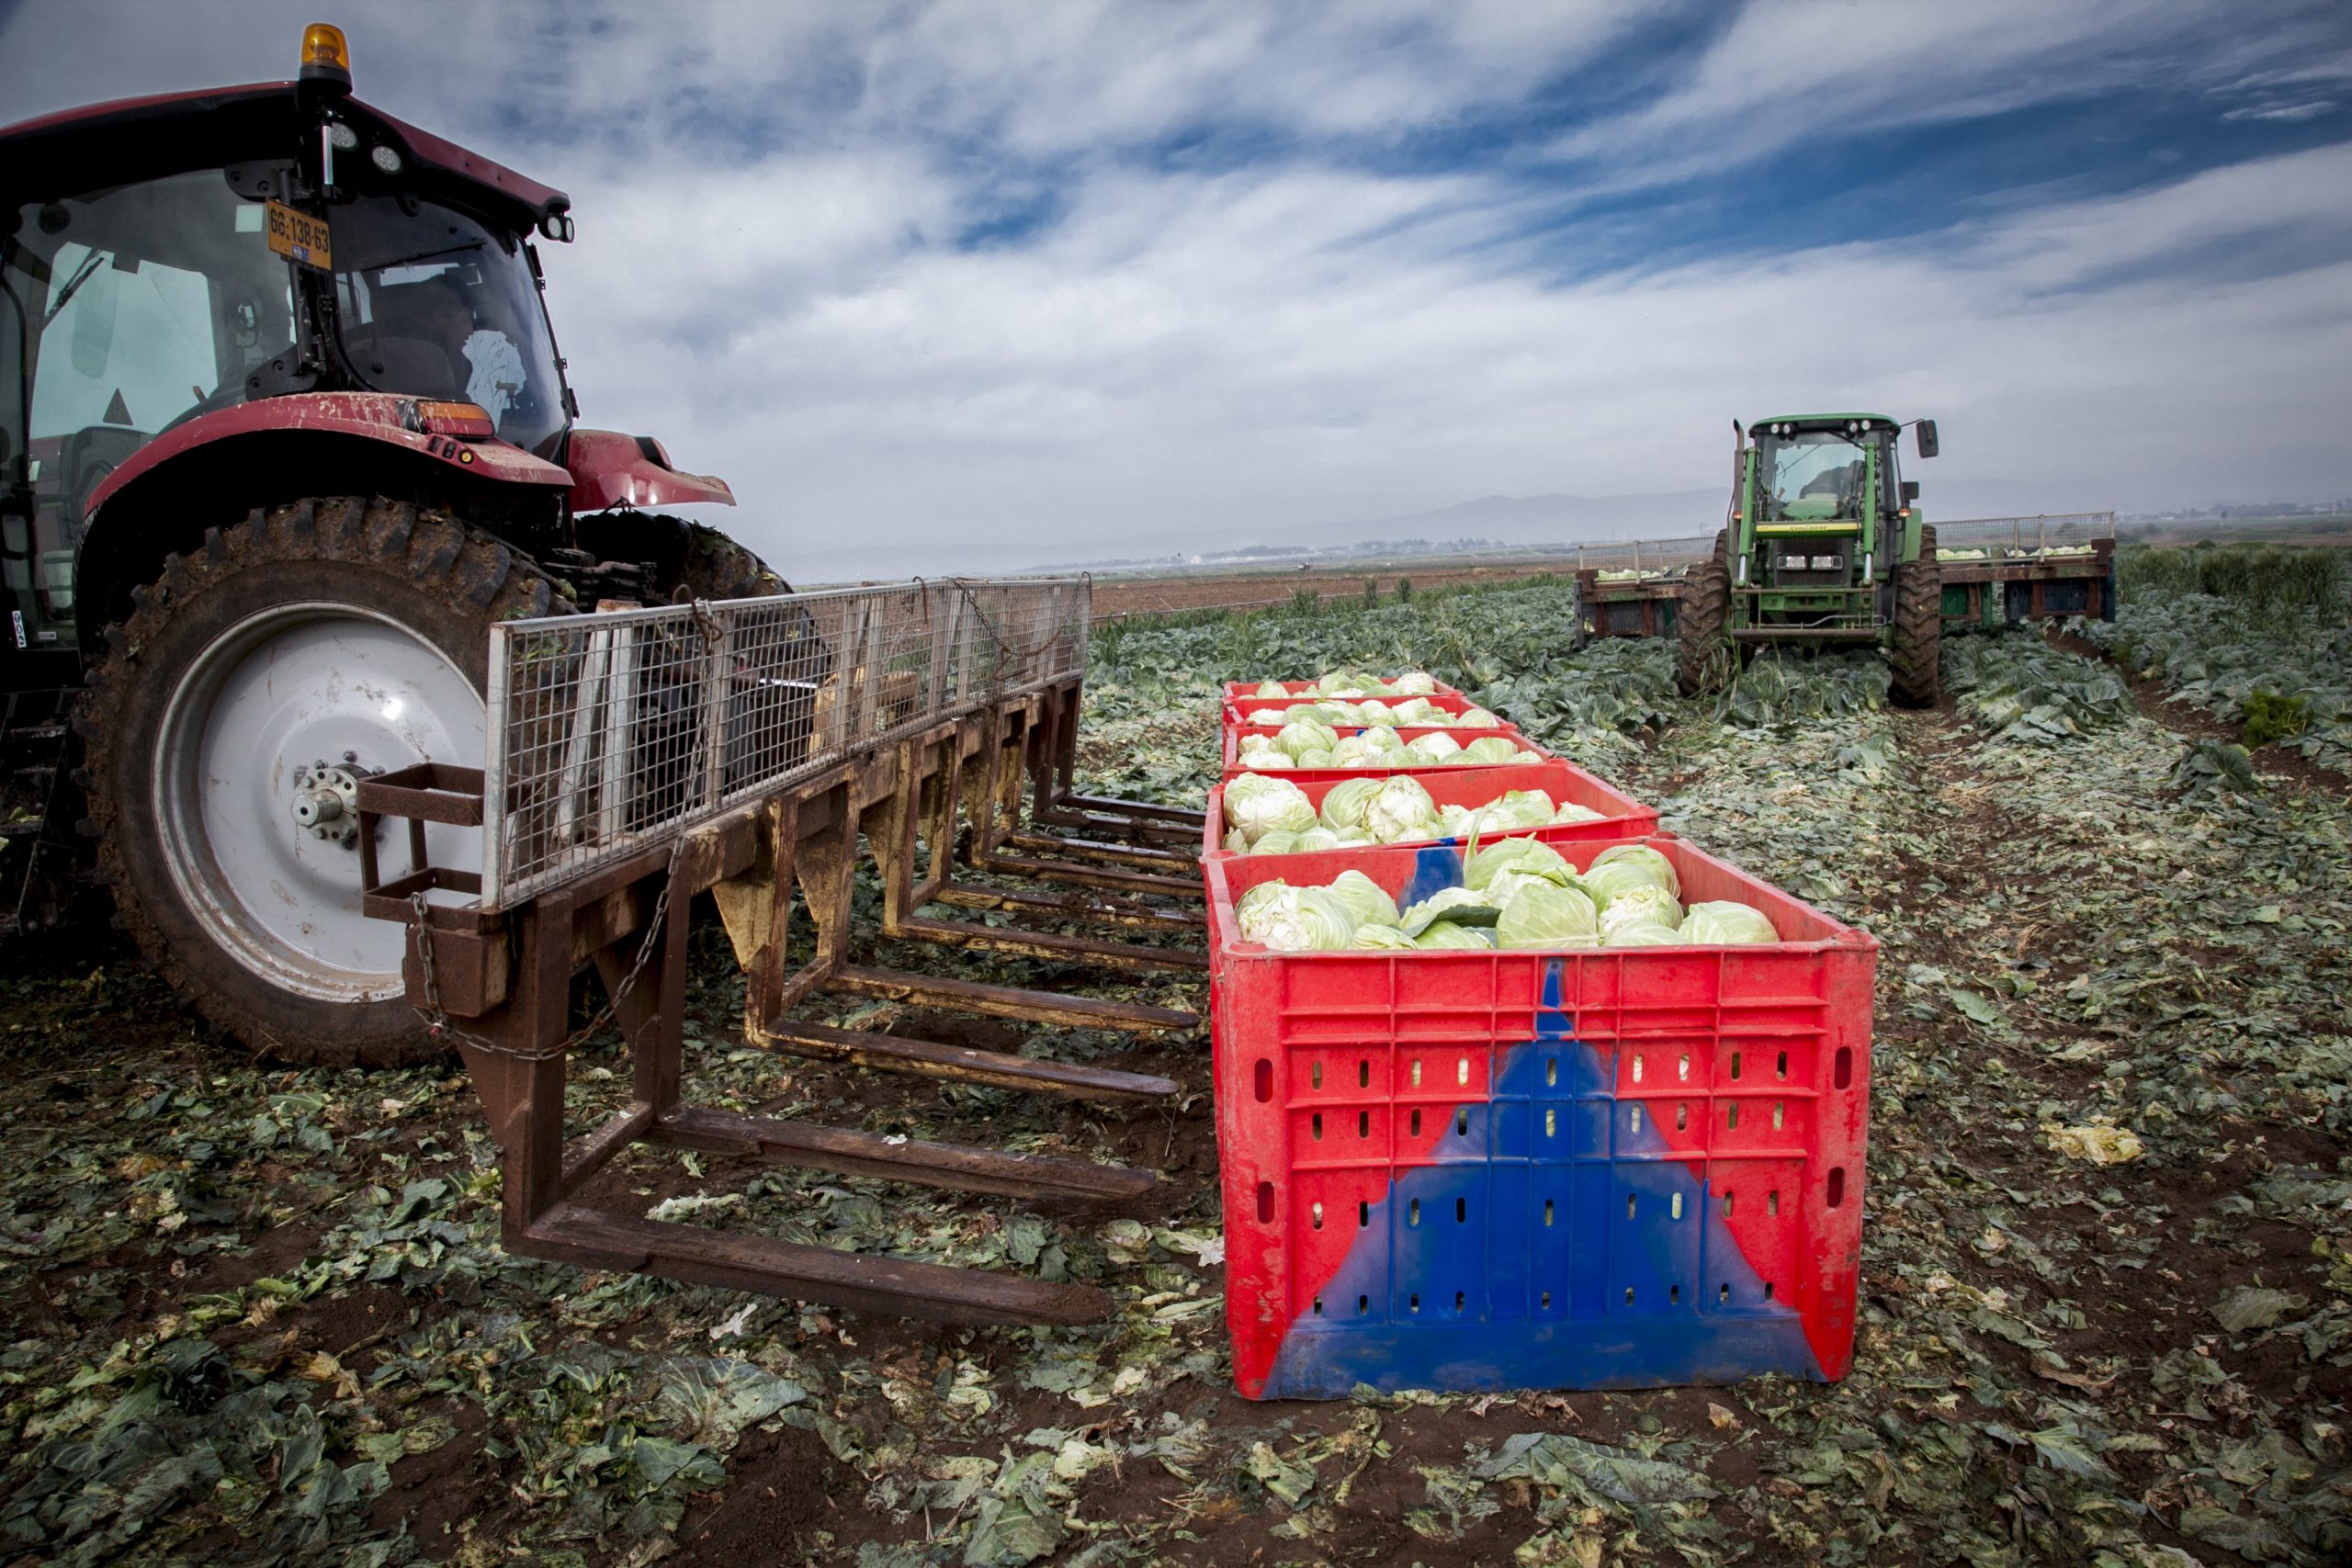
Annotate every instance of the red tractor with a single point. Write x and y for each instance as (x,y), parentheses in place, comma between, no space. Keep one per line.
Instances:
(283,430)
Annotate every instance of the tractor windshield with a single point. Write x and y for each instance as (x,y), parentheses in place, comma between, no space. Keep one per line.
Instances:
(435,304)
(124,313)
(1812,476)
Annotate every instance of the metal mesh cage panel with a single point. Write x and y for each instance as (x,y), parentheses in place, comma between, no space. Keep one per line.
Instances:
(616,731)
(2024,535)
(1647,556)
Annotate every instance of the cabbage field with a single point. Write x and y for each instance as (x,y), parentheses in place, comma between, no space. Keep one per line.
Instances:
(255,1314)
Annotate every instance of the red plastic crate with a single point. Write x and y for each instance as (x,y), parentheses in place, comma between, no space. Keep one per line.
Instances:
(1622,815)
(1234,770)
(1304,691)
(1445,702)
(1604,1169)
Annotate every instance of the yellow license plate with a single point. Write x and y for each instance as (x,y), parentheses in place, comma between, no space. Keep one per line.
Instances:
(299,236)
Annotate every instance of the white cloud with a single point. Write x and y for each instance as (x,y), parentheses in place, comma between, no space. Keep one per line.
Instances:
(768,276)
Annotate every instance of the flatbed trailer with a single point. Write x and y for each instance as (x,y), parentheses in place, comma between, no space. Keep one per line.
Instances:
(2001,569)
(1995,569)
(1632,588)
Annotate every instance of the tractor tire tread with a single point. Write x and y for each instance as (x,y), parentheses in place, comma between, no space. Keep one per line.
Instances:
(1699,623)
(1917,656)
(441,557)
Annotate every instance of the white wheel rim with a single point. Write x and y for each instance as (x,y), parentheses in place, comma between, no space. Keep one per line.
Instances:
(280,691)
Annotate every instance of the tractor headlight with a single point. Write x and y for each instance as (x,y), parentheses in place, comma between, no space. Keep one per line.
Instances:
(386,157)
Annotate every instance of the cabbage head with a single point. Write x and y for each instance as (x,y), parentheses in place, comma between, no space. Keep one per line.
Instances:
(1319,760)
(1432,748)
(1365,900)
(1636,905)
(1399,809)
(1640,933)
(1358,750)
(1382,937)
(1491,748)
(1570,811)
(1259,806)
(1316,838)
(1266,760)
(1658,869)
(1414,683)
(1264,716)
(1302,736)
(1273,689)
(1377,713)
(1520,807)
(1476,718)
(1527,855)
(1276,841)
(1446,934)
(1344,806)
(1546,915)
(1415,710)
(1724,921)
(1246,909)
(1235,841)
(1304,919)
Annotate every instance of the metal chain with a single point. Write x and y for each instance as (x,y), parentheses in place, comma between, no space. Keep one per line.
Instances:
(437,1022)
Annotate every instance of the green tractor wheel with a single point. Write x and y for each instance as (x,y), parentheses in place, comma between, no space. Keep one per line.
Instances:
(1701,652)
(1917,652)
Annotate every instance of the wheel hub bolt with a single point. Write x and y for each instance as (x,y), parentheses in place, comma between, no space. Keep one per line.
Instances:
(326,800)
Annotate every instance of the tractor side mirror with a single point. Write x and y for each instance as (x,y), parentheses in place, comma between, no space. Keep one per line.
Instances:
(1926,430)
(1910,491)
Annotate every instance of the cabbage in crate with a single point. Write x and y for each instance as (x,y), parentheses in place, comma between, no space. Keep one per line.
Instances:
(1516,895)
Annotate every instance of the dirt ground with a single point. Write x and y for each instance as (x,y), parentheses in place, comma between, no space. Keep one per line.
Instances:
(259,1314)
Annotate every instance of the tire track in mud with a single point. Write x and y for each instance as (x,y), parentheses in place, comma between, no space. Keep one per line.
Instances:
(2048,962)
(2064,870)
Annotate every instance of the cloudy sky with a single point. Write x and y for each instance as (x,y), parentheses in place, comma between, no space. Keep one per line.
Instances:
(942,284)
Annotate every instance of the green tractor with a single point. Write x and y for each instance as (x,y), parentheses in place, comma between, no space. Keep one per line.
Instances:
(1825,545)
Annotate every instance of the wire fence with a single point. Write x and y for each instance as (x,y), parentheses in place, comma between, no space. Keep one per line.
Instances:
(614,731)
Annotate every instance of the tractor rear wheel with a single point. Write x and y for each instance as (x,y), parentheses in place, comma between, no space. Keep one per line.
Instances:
(1700,647)
(257,680)
(1918,653)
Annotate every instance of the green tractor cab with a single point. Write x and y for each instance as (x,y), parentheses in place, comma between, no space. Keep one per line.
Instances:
(1824,544)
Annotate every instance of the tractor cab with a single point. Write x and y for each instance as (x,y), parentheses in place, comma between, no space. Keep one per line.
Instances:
(170,266)
(1823,546)
(1824,507)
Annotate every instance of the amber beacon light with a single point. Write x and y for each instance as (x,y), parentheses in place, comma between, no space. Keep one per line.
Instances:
(325,56)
